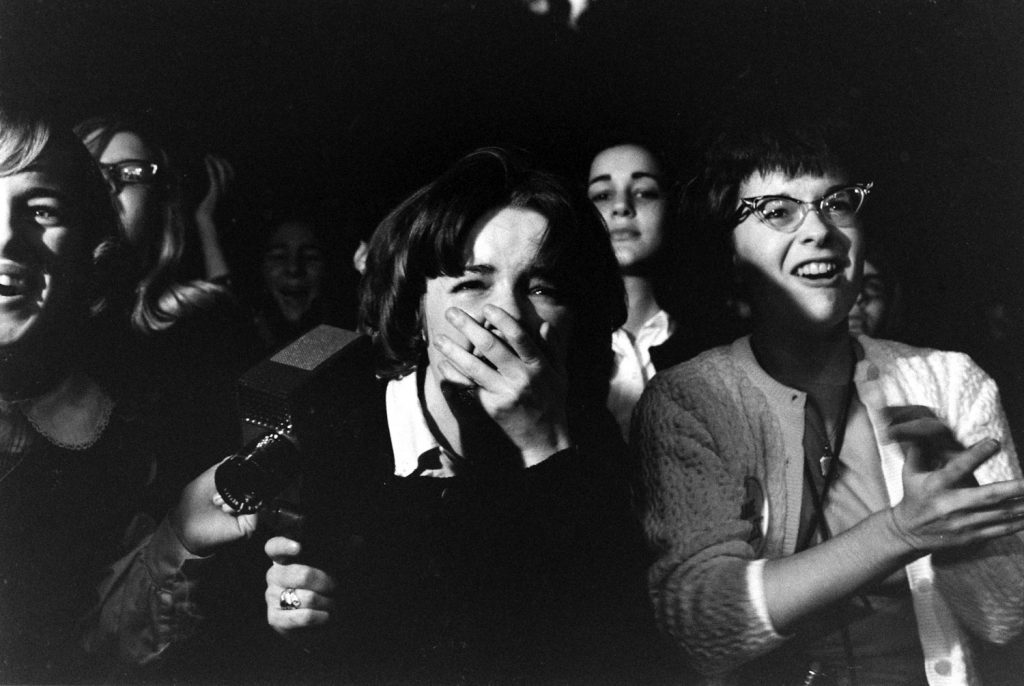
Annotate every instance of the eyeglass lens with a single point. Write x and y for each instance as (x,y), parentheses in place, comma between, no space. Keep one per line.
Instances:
(132,172)
(839,207)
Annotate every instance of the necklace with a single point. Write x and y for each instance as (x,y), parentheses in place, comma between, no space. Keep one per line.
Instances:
(833,443)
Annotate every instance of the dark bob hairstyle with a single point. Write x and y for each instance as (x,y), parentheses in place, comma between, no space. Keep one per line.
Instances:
(425,237)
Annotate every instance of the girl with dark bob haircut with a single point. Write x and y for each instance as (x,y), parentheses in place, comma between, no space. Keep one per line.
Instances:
(425,237)
(470,522)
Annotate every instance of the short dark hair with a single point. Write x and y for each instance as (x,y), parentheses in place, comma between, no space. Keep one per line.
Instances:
(425,237)
(735,154)
(707,203)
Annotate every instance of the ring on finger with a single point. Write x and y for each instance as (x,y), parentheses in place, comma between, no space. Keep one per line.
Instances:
(290,599)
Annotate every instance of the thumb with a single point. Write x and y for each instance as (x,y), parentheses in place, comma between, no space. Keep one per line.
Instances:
(282,550)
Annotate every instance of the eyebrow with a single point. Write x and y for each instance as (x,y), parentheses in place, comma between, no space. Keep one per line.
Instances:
(44,191)
(634,175)
(828,191)
(480,269)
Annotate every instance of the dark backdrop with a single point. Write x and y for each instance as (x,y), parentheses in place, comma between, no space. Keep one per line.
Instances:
(358,102)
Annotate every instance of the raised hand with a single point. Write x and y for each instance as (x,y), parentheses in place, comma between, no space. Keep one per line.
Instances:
(943,506)
(519,383)
(298,596)
(220,174)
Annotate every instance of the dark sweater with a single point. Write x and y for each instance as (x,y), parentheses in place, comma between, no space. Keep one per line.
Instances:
(500,576)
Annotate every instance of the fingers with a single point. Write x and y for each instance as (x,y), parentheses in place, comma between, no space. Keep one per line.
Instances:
(311,602)
(464,368)
(504,348)
(308,601)
(1004,496)
(313,610)
(219,171)
(963,464)
(282,550)
(517,338)
(897,414)
(294,575)
(928,429)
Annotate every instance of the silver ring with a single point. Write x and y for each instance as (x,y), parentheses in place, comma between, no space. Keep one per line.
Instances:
(290,599)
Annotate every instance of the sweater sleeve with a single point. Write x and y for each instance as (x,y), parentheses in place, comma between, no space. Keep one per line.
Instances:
(985,587)
(145,601)
(705,584)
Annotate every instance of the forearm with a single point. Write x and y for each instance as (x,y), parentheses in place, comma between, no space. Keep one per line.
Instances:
(814,579)
(145,603)
(215,263)
(712,606)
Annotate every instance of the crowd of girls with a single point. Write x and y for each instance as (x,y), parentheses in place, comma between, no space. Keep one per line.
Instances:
(552,456)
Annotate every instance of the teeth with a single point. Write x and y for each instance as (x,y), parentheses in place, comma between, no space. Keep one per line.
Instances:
(12,285)
(817,269)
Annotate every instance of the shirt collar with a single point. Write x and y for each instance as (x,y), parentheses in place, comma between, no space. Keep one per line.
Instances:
(410,435)
(655,331)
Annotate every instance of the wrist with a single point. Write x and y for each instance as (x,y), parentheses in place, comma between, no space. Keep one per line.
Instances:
(900,535)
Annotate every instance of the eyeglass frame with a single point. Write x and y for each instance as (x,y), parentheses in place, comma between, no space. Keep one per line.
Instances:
(110,173)
(748,205)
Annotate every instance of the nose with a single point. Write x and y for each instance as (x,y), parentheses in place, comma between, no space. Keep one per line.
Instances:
(8,230)
(516,302)
(623,205)
(814,229)
(296,265)
(509,300)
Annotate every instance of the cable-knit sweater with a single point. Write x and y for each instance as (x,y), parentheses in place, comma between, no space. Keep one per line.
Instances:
(720,445)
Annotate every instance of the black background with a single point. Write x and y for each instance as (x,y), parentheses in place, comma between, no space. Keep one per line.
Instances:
(359,102)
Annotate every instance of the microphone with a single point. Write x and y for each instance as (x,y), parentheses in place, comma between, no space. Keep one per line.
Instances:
(277,413)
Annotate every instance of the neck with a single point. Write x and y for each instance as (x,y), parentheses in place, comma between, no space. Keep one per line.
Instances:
(439,412)
(641,302)
(801,361)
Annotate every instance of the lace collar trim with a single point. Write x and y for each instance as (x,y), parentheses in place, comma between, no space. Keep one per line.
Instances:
(73,415)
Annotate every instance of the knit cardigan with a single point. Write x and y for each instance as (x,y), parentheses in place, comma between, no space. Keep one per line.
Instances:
(720,449)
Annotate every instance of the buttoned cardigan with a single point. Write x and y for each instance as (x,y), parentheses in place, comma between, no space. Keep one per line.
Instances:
(720,450)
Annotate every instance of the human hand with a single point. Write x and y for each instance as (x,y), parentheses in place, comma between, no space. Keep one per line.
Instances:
(943,506)
(519,383)
(312,588)
(202,520)
(220,174)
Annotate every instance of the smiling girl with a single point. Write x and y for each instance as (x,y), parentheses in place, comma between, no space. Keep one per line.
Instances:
(817,515)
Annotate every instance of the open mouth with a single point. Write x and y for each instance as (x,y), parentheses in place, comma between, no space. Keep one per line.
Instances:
(15,284)
(624,234)
(294,294)
(819,270)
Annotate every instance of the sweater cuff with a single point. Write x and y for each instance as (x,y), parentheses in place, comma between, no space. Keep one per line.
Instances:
(166,556)
(755,587)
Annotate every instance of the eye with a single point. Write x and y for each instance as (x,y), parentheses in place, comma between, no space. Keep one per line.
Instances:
(777,209)
(600,196)
(647,193)
(469,286)
(47,213)
(546,289)
(844,201)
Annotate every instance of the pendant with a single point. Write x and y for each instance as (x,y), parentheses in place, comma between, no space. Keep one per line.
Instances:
(825,462)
